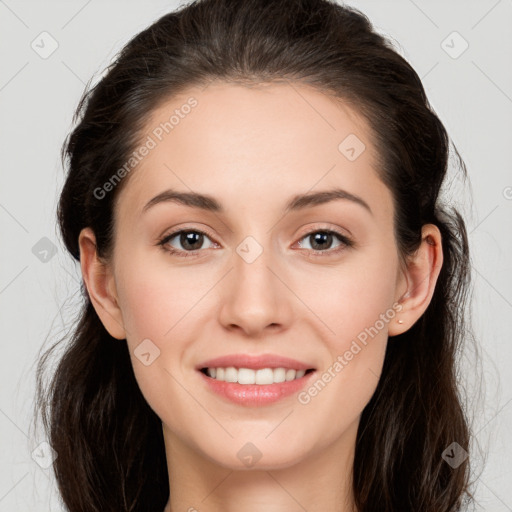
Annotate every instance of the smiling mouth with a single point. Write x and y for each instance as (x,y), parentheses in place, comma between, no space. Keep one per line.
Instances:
(262,376)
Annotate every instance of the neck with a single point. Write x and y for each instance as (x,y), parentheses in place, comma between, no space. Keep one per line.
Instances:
(322,482)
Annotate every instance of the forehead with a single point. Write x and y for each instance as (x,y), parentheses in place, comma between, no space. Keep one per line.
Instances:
(262,144)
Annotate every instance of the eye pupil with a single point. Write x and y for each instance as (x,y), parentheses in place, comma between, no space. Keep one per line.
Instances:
(320,237)
(191,237)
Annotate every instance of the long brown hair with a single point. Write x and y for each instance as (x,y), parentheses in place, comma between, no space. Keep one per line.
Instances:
(109,441)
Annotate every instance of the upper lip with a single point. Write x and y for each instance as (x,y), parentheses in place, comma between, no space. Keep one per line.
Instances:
(254,362)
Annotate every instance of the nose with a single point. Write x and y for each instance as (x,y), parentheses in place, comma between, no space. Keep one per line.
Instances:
(254,298)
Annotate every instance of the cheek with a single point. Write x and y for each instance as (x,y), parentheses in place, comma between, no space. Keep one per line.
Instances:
(154,299)
(154,306)
(156,311)
(358,310)
(359,298)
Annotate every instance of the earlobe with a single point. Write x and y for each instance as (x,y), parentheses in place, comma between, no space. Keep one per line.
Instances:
(100,284)
(421,276)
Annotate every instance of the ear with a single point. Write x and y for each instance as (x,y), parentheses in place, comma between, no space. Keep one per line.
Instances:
(419,280)
(100,284)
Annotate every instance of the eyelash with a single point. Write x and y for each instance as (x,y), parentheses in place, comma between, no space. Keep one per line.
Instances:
(346,243)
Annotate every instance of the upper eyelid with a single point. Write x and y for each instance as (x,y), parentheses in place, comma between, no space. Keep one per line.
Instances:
(170,236)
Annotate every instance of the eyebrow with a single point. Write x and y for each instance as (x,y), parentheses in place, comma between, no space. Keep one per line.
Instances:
(298,202)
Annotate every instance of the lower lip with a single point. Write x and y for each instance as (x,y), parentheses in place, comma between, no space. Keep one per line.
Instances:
(256,394)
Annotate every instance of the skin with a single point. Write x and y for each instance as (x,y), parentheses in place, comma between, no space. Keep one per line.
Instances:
(253,149)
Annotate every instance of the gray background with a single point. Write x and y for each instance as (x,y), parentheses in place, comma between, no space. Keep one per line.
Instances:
(471,93)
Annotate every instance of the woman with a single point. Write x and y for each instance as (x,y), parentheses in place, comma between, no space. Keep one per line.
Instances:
(274,292)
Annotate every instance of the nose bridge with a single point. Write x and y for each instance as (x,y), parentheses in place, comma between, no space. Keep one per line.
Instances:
(254,298)
(252,261)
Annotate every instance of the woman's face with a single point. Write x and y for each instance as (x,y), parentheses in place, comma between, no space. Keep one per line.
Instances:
(317,283)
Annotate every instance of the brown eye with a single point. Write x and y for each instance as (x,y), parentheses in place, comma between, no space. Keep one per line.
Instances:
(191,240)
(184,241)
(322,241)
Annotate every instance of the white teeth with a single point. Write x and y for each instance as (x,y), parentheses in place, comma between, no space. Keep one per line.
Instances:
(264,376)
(250,376)
(279,374)
(246,376)
(231,374)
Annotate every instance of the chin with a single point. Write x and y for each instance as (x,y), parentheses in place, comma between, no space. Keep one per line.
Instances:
(251,457)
